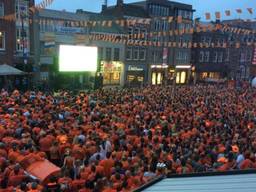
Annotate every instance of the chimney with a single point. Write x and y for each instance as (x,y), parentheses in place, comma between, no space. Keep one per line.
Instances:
(120,3)
(105,5)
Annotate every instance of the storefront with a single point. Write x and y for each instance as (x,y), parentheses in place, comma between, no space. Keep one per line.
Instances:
(135,75)
(158,74)
(182,73)
(112,72)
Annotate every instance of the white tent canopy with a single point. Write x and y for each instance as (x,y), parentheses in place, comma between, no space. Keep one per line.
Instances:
(9,70)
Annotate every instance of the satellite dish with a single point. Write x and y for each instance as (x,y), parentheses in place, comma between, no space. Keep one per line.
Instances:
(254,82)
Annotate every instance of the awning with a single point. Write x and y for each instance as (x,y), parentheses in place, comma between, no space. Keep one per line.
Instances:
(9,70)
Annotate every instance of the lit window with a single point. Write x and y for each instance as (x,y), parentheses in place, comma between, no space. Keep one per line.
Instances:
(183,77)
(2,40)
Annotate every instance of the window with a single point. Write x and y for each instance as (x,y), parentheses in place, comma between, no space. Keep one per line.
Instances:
(208,40)
(136,33)
(19,39)
(108,54)
(136,53)
(179,55)
(1,9)
(129,53)
(144,34)
(2,40)
(201,56)
(21,9)
(142,54)
(249,56)
(220,57)
(227,55)
(203,39)
(100,50)
(206,56)
(116,54)
(215,57)
(242,57)
(130,32)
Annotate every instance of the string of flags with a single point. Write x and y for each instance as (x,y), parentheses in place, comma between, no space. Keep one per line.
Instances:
(171,44)
(217,14)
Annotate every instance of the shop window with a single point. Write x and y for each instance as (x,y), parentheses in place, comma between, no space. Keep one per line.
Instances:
(204,75)
(153,78)
(130,77)
(183,77)
(178,77)
(159,78)
(140,79)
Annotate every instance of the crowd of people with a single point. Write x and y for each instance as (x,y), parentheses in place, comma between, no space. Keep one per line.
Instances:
(119,139)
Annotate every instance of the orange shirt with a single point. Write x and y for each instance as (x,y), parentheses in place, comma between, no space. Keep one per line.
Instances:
(107,164)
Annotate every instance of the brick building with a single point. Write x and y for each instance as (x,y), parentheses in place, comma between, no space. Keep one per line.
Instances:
(16,45)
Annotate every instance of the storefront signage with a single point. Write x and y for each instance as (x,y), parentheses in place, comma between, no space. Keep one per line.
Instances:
(69,30)
(135,68)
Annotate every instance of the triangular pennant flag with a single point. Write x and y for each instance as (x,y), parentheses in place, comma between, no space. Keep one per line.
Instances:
(170,19)
(217,15)
(207,16)
(250,10)
(239,11)
(227,12)
(179,19)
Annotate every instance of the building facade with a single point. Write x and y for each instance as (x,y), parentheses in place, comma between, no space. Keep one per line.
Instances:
(60,27)
(136,54)
(241,56)
(223,54)
(161,62)
(210,58)
(16,35)
(170,62)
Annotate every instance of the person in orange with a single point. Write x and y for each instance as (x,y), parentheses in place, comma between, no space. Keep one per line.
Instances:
(17,176)
(107,165)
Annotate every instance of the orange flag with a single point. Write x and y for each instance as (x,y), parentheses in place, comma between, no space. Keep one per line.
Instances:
(217,15)
(207,16)
(227,12)
(239,11)
(250,10)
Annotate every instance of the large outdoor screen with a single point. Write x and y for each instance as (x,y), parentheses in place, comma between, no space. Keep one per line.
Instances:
(77,58)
